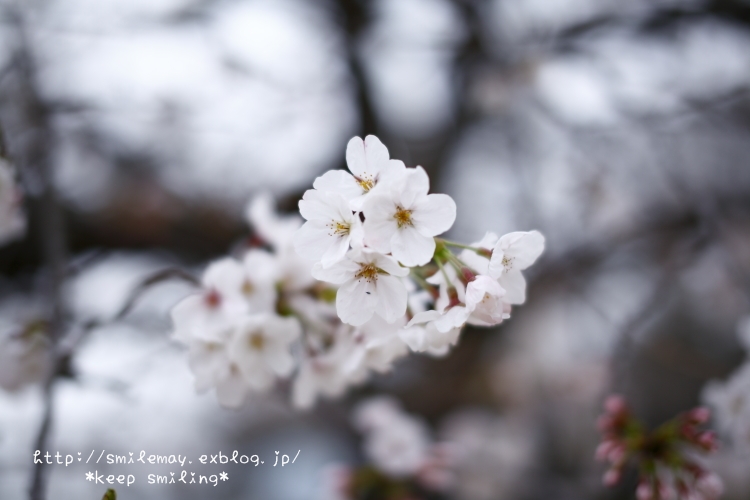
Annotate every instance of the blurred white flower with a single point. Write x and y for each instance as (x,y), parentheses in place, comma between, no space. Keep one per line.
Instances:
(371,170)
(404,219)
(260,348)
(210,314)
(422,334)
(369,284)
(274,229)
(12,219)
(730,400)
(395,442)
(377,345)
(331,226)
(513,253)
(324,371)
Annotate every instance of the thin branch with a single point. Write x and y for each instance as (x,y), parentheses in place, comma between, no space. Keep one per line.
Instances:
(146,284)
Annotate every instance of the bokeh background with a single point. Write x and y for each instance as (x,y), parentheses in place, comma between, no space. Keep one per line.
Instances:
(620,129)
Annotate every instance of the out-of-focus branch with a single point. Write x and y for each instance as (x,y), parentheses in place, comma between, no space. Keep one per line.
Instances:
(354,18)
(35,159)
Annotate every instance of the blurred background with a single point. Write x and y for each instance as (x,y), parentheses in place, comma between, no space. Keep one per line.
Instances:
(621,130)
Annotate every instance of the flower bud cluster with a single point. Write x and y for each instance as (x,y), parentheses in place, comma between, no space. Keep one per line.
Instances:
(667,458)
(350,289)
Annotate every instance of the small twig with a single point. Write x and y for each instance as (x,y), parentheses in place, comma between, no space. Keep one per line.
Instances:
(146,284)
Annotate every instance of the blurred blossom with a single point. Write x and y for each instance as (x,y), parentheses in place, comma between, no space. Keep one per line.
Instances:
(495,454)
(731,398)
(403,463)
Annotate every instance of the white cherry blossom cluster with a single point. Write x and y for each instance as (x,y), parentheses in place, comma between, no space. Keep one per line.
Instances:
(372,231)
(12,219)
(359,282)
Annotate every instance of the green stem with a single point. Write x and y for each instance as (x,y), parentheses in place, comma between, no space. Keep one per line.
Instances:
(421,281)
(442,269)
(459,245)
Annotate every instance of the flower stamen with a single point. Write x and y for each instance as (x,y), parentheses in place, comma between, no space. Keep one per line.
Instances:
(403,217)
(339,228)
(257,341)
(366,182)
(367,271)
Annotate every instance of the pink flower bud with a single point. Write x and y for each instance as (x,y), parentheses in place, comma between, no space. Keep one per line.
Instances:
(644,491)
(710,486)
(604,423)
(615,404)
(612,477)
(707,440)
(602,451)
(699,415)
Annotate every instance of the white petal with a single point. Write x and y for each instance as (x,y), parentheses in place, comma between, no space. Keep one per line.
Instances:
(260,265)
(515,287)
(434,214)
(338,181)
(319,205)
(280,360)
(232,389)
(356,301)
(336,251)
(366,157)
(412,248)
(379,225)
(415,186)
(523,247)
(482,285)
(389,265)
(423,317)
(390,176)
(488,241)
(225,275)
(313,240)
(455,317)
(475,261)
(337,273)
(284,330)
(391,298)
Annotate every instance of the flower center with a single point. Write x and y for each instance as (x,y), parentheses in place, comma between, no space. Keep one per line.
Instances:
(338,228)
(247,288)
(257,341)
(212,299)
(367,271)
(403,217)
(508,263)
(366,182)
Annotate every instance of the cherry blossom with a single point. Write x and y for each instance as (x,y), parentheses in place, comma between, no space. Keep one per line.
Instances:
(405,219)
(485,299)
(396,443)
(260,348)
(371,170)
(211,313)
(513,253)
(330,228)
(369,284)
